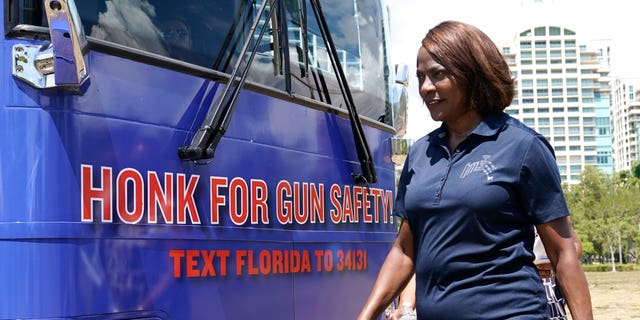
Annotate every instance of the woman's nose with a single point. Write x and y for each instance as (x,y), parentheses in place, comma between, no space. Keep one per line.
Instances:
(427,86)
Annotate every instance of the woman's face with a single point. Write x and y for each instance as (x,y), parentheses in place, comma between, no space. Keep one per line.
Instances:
(439,92)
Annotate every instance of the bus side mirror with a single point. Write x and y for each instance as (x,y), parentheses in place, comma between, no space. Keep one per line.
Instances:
(400,103)
(60,63)
(67,38)
(400,99)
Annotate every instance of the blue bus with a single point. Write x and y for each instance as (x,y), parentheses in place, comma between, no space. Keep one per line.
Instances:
(195,159)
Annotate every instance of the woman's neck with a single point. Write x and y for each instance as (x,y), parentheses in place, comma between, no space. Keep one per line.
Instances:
(458,130)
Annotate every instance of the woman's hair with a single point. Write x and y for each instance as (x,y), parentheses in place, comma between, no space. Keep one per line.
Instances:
(475,63)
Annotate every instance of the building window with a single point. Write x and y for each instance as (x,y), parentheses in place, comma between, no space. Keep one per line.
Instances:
(556,82)
(539,31)
(574,120)
(558,121)
(554,31)
(542,82)
(544,131)
(525,45)
(558,110)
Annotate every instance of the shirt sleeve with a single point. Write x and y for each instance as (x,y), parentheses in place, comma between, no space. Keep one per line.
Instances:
(540,186)
(398,208)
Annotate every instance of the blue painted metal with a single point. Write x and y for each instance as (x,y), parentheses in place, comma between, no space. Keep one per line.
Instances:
(132,117)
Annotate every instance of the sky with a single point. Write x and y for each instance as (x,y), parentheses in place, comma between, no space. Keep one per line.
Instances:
(502,20)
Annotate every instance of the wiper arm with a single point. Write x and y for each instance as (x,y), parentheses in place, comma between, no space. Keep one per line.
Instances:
(206,139)
(368,174)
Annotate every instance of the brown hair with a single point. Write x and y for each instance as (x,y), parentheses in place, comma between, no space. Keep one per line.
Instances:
(475,63)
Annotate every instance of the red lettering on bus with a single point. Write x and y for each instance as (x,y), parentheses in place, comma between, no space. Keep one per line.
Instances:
(101,194)
(335,194)
(238,201)
(366,204)
(347,206)
(284,209)
(377,197)
(185,199)
(216,200)
(130,210)
(317,203)
(158,197)
(259,195)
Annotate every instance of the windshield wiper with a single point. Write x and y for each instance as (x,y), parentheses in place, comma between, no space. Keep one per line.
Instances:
(206,139)
(368,174)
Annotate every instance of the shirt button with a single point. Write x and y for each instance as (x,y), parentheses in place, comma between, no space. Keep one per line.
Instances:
(442,179)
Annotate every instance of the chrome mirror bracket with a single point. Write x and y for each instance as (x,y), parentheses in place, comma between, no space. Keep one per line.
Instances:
(60,63)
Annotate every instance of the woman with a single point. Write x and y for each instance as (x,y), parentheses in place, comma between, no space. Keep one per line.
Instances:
(470,194)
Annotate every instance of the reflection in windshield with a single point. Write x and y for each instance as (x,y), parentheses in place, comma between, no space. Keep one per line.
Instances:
(129,23)
(212,33)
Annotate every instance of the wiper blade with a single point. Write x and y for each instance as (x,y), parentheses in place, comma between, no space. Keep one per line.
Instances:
(206,139)
(365,157)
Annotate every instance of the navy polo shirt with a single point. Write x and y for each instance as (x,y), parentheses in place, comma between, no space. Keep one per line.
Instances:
(472,213)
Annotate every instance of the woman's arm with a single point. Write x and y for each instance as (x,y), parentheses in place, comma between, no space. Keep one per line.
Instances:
(394,274)
(560,244)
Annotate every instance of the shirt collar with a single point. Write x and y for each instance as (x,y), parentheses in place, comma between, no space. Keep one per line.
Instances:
(488,126)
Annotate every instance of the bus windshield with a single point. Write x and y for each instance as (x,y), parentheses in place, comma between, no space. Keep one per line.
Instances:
(211,34)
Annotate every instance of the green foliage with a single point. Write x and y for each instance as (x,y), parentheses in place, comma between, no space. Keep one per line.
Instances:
(635,170)
(605,213)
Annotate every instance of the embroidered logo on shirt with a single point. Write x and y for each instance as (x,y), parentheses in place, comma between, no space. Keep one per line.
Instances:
(485,165)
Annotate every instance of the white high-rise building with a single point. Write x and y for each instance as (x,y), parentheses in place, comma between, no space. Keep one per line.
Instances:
(625,115)
(563,93)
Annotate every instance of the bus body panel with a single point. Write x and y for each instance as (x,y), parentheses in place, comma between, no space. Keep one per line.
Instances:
(64,255)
